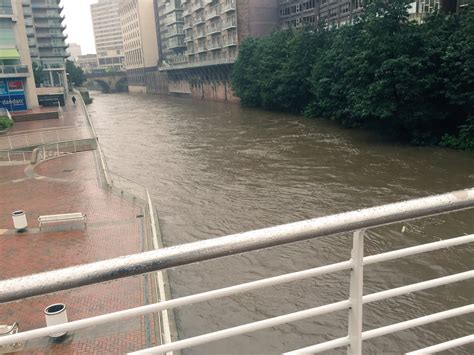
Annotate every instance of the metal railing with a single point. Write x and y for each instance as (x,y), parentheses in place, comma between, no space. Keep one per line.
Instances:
(15,156)
(90,124)
(14,69)
(32,138)
(54,150)
(357,222)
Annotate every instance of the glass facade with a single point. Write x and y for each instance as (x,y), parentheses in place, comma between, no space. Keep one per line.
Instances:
(6,7)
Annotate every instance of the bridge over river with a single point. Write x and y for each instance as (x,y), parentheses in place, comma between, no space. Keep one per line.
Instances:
(216,169)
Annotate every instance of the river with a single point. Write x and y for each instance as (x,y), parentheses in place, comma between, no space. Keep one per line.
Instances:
(214,169)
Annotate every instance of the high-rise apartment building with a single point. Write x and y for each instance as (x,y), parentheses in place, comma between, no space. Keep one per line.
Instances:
(44,27)
(108,34)
(138,22)
(17,84)
(202,32)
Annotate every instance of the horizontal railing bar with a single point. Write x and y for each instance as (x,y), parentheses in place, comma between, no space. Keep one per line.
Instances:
(58,280)
(174,303)
(187,300)
(389,329)
(247,328)
(396,254)
(444,346)
(403,290)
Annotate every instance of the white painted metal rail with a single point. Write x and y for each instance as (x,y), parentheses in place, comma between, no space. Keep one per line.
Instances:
(355,221)
(25,139)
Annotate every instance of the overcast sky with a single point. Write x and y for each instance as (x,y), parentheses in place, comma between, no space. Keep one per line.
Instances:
(79,24)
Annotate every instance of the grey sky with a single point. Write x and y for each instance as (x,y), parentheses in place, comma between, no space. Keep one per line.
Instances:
(79,24)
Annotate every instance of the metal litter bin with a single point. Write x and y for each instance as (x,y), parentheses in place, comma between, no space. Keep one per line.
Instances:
(55,314)
(19,220)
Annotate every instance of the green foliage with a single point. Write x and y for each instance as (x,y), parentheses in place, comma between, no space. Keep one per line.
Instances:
(409,80)
(38,74)
(5,122)
(76,74)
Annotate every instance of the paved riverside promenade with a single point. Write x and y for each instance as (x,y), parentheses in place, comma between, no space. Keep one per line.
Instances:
(115,227)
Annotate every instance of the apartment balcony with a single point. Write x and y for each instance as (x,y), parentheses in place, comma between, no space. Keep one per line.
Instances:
(50,15)
(213,12)
(51,35)
(176,43)
(14,71)
(177,59)
(201,49)
(228,6)
(214,45)
(229,23)
(175,31)
(187,12)
(200,34)
(199,20)
(52,45)
(208,2)
(183,2)
(171,7)
(214,28)
(50,54)
(189,38)
(46,5)
(50,26)
(198,5)
(230,42)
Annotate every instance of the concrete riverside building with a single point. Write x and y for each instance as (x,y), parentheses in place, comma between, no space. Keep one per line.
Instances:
(88,62)
(138,22)
(108,35)
(74,51)
(200,35)
(17,84)
(311,12)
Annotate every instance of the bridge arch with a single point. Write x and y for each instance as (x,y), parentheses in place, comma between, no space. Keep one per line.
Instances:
(103,84)
(121,85)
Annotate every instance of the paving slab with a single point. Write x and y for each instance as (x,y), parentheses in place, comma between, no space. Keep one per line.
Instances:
(114,228)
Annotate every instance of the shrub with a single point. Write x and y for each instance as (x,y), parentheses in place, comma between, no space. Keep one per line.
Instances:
(5,123)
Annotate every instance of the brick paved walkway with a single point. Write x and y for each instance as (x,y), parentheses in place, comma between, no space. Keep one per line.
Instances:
(72,116)
(70,184)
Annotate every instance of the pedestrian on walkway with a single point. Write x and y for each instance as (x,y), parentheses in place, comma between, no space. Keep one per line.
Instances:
(74,100)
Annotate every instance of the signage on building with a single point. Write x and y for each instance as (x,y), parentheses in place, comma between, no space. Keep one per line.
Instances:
(12,95)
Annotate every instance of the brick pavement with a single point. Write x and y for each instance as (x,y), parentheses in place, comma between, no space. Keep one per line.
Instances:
(70,184)
(72,116)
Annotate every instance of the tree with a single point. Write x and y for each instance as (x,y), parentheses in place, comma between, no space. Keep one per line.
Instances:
(76,74)
(38,74)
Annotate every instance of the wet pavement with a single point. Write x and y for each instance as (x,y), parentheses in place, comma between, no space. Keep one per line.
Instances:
(114,228)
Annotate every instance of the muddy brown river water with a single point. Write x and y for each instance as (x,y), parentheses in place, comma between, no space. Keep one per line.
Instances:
(214,169)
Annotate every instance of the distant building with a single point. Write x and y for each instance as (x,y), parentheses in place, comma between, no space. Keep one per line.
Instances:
(88,62)
(108,34)
(44,28)
(17,84)
(333,13)
(140,41)
(74,51)
(203,32)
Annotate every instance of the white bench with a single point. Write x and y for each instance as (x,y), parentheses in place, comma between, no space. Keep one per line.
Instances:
(78,216)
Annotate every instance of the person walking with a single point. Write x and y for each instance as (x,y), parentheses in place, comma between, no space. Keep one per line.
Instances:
(74,100)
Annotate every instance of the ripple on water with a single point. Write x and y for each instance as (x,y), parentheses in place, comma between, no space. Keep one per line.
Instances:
(216,169)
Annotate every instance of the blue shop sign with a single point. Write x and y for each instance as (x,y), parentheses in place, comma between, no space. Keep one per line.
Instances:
(12,95)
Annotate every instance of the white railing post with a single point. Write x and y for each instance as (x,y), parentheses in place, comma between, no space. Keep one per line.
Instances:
(356,294)
(10,142)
